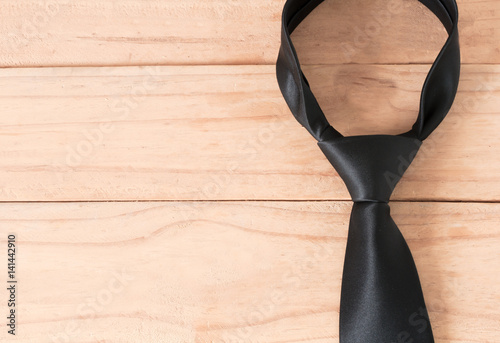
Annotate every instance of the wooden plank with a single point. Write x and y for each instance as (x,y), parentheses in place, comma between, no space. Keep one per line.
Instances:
(166,32)
(225,132)
(233,271)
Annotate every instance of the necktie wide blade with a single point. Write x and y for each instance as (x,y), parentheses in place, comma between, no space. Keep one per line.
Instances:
(381,298)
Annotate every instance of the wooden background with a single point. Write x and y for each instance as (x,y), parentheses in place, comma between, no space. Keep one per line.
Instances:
(161,191)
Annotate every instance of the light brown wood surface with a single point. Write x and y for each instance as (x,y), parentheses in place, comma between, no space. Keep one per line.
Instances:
(234,271)
(166,32)
(185,204)
(225,132)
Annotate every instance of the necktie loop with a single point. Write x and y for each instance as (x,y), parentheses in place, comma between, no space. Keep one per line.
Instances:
(438,91)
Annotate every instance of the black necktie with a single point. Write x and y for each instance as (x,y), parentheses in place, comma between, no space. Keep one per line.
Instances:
(381,297)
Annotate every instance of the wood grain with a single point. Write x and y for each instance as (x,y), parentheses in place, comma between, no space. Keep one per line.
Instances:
(166,32)
(233,271)
(196,269)
(225,132)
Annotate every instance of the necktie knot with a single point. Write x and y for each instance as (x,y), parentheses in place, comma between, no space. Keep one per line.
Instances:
(370,166)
